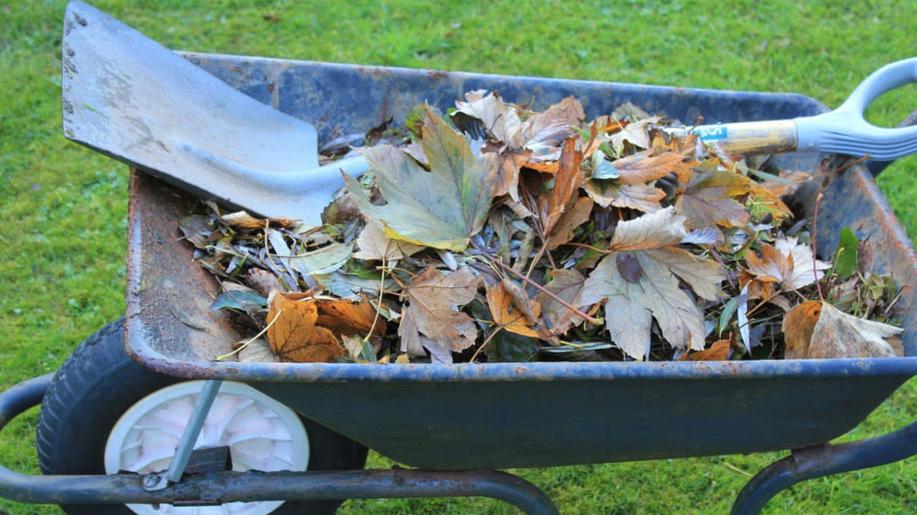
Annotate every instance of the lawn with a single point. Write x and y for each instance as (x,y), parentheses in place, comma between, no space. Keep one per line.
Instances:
(63,207)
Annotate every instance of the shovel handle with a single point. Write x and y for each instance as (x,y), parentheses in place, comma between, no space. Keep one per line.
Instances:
(842,131)
(325,178)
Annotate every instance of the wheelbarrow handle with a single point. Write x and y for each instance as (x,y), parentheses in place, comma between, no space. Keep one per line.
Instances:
(842,131)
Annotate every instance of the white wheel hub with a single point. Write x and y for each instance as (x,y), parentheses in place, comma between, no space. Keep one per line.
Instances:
(261,433)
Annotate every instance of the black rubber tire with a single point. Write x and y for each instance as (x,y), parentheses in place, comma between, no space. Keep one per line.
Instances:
(99,382)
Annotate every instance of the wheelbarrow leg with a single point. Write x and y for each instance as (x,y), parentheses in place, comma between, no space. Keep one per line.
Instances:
(188,439)
(824,460)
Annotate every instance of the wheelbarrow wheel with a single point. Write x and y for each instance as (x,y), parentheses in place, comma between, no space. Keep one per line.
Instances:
(99,387)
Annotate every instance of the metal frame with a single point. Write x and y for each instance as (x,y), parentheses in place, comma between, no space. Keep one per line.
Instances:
(215,488)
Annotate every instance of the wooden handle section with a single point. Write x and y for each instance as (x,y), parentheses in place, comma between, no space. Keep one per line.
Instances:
(770,137)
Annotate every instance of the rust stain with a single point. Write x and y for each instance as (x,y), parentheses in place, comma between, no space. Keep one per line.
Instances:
(437,74)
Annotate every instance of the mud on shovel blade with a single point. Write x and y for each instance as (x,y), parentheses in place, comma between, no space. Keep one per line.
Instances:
(131,98)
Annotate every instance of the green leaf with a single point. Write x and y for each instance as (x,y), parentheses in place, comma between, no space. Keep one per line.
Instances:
(441,208)
(603,168)
(239,300)
(728,310)
(846,261)
(323,261)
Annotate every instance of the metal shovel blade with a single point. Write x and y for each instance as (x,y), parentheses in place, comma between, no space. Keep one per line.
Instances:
(129,97)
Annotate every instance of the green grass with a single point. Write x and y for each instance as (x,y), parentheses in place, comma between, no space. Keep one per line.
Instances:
(63,207)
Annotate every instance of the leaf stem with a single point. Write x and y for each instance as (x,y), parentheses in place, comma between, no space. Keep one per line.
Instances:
(381,293)
(818,198)
(486,341)
(253,338)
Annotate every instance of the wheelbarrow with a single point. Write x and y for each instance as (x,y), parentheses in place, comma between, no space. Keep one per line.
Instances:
(143,415)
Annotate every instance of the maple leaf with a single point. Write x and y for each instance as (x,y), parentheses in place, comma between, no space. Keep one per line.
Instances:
(294,335)
(375,245)
(535,140)
(786,262)
(639,281)
(441,208)
(631,188)
(641,197)
(432,319)
(636,133)
(506,315)
(765,197)
(567,285)
(818,330)
(540,133)
(708,199)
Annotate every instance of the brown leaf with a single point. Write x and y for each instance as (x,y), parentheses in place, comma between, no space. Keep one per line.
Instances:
(506,315)
(787,262)
(294,335)
(685,146)
(554,203)
(572,218)
(636,133)
(344,317)
(498,117)
(263,281)
(633,196)
(541,133)
(719,351)
(566,284)
(764,200)
(548,167)
(798,326)
(643,167)
(433,312)
(708,200)
(836,334)
(510,164)
(632,304)
(243,220)
(651,231)
(766,196)
(521,300)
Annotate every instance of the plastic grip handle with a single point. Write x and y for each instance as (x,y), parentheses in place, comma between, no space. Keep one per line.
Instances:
(846,131)
(886,78)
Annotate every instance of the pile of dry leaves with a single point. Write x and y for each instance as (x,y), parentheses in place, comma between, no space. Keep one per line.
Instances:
(498,234)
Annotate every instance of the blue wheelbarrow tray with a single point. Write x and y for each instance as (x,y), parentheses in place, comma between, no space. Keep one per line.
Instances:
(472,416)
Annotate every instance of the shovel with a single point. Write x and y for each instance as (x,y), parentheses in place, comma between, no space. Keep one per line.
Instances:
(130,98)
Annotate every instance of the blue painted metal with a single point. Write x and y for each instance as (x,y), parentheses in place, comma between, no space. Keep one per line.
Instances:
(526,414)
(824,460)
(22,397)
(223,487)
